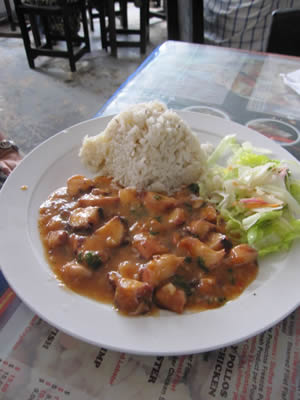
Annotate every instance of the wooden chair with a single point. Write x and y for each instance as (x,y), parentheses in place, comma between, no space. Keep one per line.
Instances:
(110,33)
(93,11)
(12,23)
(284,35)
(64,9)
(97,9)
(161,12)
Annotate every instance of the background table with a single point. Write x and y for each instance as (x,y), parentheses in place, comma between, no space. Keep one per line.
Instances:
(245,87)
(39,362)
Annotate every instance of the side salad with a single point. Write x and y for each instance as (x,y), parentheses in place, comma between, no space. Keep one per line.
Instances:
(257,196)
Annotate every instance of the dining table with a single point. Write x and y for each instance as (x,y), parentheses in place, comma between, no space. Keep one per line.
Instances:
(40,361)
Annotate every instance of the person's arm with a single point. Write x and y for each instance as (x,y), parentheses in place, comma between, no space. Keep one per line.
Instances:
(9,157)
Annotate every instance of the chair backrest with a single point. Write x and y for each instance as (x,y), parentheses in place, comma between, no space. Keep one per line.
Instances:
(65,12)
(284,35)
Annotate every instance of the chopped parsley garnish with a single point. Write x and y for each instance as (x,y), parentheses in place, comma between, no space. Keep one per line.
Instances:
(92,259)
(201,264)
(194,188)
(80,257)
(158,218)
(100,212)
(188,206)
(157,197)
(188,260)
(181,283)
(221,299)
(153,233)
(139,212)
(231,276)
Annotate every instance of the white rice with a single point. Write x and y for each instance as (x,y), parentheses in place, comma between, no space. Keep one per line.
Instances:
(148,147)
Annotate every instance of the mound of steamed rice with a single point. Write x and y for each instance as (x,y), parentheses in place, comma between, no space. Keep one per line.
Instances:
(147,147)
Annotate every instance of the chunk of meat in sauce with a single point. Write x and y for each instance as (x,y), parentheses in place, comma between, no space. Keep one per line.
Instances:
(207,285)
(57,238)
(157,202)
(78,184)
(147,246)
(160,268)
(98,200)
(209,213)
(171,298)
(110,234)
(84,218)
(196,248)
(129,269)
(73,273)
(131,296)
(177,217)
(128,197)
(242,254)
(55,223)
(200,228)
(218,241)
(76,241)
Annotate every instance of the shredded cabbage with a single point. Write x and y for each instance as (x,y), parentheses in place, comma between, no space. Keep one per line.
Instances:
(255,194)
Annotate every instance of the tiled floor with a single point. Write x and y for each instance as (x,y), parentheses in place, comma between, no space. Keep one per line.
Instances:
(35,104)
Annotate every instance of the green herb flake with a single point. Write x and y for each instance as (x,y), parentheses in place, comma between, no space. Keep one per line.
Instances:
(158,218)
(157,197)
(181,283)
(139,212)
(154,233)
(221,299)
(101,212)
(188,206)
(231,276)
(79,257)
(201,264)
(188,260)
(92,259)
(194,188)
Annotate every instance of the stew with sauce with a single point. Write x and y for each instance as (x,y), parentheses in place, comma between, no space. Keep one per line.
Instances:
(142,251)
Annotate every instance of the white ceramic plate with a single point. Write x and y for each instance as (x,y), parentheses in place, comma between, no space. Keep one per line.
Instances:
(274,294)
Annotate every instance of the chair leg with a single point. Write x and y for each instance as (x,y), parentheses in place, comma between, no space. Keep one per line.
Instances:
(45,23)
(123,12)
(26,38)
(85,29)
(103,30)
(144,16)
(69,42)
(91,17)
(35,30)
(9,14)
(112,27)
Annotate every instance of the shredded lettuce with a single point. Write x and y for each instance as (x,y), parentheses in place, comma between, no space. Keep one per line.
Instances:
(273,235)
(228,143)
(294,188)
(257,196)
(250,159)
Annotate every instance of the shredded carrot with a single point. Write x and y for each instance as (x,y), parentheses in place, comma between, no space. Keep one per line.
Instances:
(255,202)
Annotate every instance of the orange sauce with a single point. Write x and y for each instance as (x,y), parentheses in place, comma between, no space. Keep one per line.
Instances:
(92,227)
